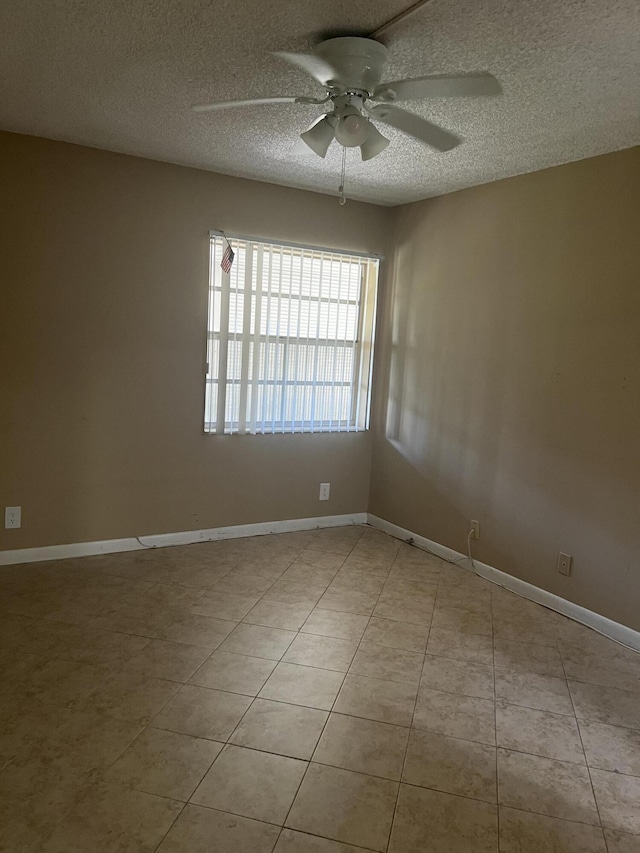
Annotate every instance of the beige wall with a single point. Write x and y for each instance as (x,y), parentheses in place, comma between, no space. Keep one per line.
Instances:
(102,345)
(508,380)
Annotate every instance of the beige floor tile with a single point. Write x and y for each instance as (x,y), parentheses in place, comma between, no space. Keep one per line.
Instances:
(277,614)
(544,692)
(51,788)
(527,629)
(258,641)
(319,559)
(19,831)
(234,673)
(396,635)
(197,630)
(363,745)
(455,715)
(254,784)
(579,643)
(174,595)
(201,712)
(109,647)
(303,685)
(371,565)
(388,664)
(242,583)
(301,593)
(527,657)
(611,747)
(621,842)
(458,676)
(336,540)
(453,644)
(299,842)
(604,675)
(128,696)
(403,607)
(415,572)
(333,623)
(356,580)
(197,829)
(224,605)
(323,652)
(451,765)
(85,741)
(447,618)
(430,820)
(304,573)
(606,704)
(618,799)
(545,786)
(375,699)
(291,730)
(172,661)
(349,601)
(538,732)
(458,576)
(524,832)
(164,763)
(599,669)
(477,600)
(112,819)
(344,806)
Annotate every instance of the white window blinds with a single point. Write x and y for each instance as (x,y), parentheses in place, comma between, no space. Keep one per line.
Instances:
(290,339)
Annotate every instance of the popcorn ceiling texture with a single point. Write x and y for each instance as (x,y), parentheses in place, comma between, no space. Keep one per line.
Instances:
(123,75)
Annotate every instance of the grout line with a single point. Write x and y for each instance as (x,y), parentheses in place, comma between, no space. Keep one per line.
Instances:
(415,702)
(304,775)
(495,717)
(586,760)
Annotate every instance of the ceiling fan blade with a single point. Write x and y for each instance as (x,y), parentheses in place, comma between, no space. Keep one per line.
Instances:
(313,65)
(421,129)
(223,105)
(457,86)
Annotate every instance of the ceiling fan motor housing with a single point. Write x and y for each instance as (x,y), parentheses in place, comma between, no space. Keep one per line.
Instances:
(360,62)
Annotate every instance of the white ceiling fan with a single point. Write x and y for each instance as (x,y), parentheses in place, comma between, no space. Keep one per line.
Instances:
(350,69)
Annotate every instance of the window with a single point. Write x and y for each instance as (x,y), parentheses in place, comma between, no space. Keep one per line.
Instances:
(290,339)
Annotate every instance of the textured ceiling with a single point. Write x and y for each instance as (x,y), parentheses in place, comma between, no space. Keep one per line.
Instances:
(122,75)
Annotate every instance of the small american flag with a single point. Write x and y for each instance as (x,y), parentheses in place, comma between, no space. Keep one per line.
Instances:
(227,259)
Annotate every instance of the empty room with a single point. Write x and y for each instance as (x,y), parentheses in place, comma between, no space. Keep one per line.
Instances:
(320,419)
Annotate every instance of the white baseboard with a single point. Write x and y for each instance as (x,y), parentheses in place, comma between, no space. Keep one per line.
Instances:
(187,537)
(614,630)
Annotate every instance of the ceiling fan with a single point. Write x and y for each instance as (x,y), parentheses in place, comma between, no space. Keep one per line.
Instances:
(350,69)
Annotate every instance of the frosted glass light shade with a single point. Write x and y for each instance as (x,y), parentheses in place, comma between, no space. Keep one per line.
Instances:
(352,130)
(320,135)
(373,144)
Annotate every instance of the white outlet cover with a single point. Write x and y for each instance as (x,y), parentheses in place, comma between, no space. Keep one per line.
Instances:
(12,517)
(325,489)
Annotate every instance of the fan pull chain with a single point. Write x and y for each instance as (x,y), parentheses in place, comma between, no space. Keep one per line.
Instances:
(343,199)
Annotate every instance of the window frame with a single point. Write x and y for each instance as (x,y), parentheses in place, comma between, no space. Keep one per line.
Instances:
(362,346)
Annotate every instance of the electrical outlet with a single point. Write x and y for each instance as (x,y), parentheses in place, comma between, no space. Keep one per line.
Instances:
(564,563)
(325,488)
(12,517)
(475,529)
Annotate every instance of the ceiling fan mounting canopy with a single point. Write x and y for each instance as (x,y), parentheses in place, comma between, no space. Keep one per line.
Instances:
(350,69)
(358,63)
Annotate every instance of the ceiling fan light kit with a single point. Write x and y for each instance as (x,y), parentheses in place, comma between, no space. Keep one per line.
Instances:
(350,70)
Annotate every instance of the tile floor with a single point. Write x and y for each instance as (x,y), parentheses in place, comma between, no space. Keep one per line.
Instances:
(324,692)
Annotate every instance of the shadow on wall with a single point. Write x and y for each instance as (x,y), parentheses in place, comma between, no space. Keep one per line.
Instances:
(510,360)
(440,412)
